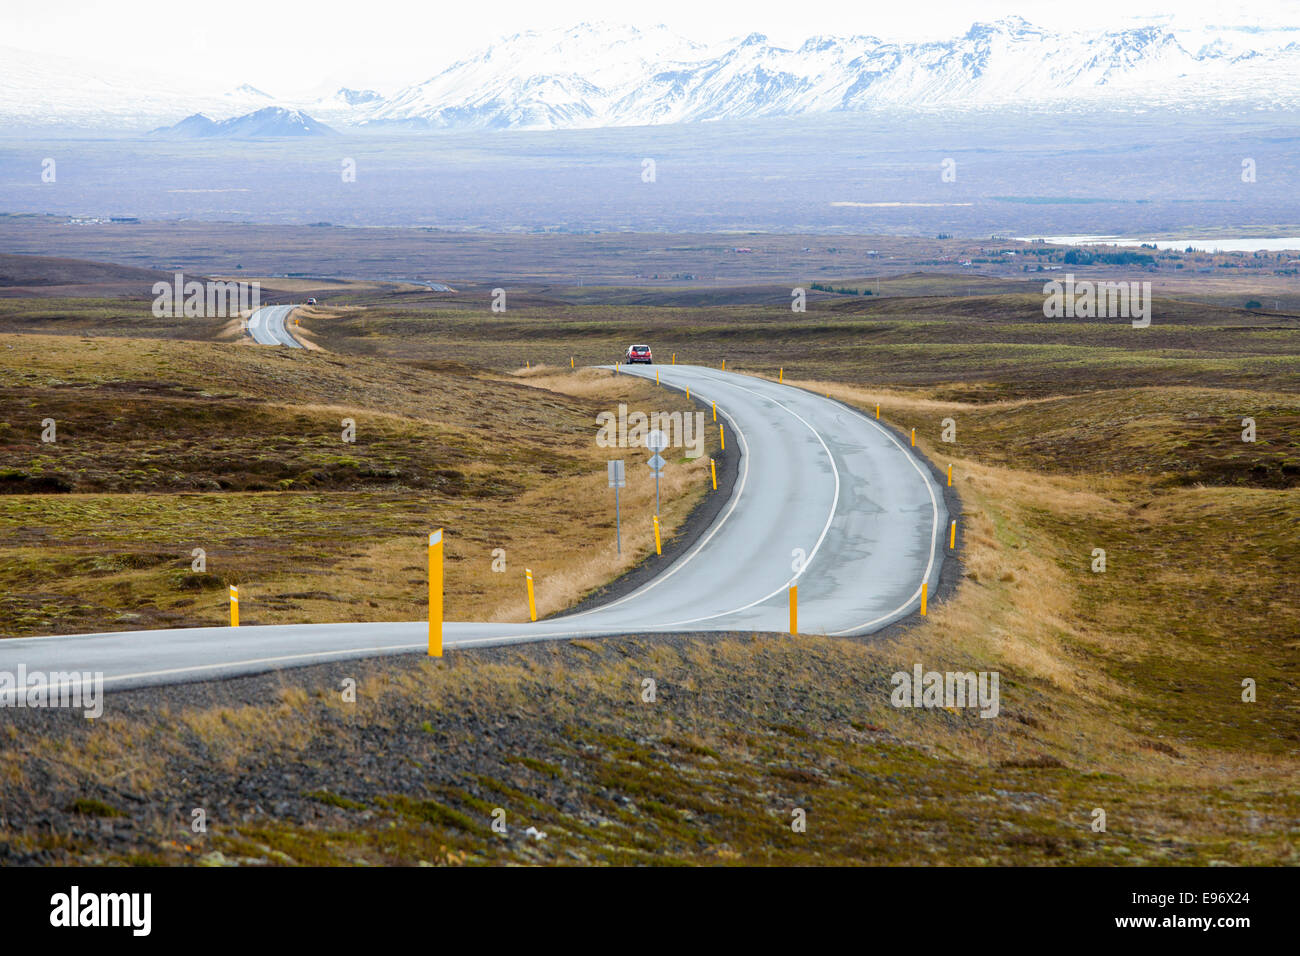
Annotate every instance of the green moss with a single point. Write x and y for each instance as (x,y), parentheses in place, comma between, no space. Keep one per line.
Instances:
(91,807)
(431,811)
(334,800)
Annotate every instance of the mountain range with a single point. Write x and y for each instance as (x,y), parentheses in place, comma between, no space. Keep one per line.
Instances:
(600,75)
(268,122)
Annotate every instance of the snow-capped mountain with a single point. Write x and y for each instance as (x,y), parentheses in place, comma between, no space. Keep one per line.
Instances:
(270,122)
(356,97)
(40,91)
(595,75)
(554,79)
(247,89)
(37,90)
(617,76)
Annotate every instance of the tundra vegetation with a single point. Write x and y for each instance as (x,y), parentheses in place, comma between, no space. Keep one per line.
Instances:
(1123,690)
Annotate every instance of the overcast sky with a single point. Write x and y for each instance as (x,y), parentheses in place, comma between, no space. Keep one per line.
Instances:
(285,48)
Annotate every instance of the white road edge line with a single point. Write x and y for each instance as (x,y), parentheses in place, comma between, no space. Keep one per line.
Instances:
(934,526)
(835,503)
(560,620)
(695,549)
(934,521)
(260,660)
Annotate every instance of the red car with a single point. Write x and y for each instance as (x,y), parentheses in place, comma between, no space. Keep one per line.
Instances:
(639,353)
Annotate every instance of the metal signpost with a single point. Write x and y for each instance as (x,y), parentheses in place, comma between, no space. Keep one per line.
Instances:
(617,480)
(656,441)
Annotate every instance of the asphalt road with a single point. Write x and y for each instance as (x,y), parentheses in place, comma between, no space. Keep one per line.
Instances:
(813,475)
(267,326)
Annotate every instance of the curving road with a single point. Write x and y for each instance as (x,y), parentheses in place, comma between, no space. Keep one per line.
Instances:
(267,326)
(813,475)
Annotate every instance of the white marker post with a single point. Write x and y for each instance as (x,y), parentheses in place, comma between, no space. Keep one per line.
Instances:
(656,441)
(617,480)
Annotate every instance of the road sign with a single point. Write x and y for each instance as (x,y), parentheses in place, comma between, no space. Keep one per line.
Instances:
(657,462)
(656,440)
(617,475)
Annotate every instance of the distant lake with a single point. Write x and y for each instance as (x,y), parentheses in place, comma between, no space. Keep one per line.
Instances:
(1201,245)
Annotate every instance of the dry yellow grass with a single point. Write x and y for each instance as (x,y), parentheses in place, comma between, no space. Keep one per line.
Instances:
(530,442)
(1017,611)
(1115,676)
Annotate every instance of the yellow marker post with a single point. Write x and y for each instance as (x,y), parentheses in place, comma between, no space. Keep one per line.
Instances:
(924,587)
(234,606)
(658,546)
(435,593)
(877,411)
(781,377)
(688,393)
(571,365)
(950,476)
(713,469)
(724,365)
(952,538)
(674,358)
(715,411)
(794,609)
(656,376)
(913,437)
(532,601)
(722,438)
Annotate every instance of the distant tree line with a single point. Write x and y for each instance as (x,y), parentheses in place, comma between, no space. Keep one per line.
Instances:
(818,287)
(1082,257)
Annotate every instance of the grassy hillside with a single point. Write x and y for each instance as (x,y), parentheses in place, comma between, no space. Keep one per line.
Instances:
(162,448)
(981,348)
(1120,691)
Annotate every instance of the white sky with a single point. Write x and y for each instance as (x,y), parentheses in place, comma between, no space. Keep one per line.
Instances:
(286,48)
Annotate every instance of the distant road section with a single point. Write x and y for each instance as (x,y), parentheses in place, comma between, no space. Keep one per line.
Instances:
(268,326)
(432,286)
